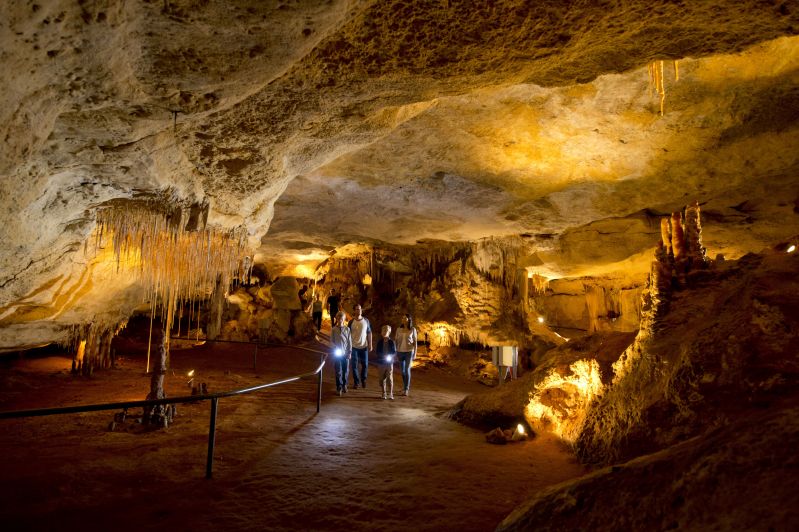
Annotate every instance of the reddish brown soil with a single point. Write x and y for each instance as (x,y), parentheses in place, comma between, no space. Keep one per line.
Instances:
(362,463)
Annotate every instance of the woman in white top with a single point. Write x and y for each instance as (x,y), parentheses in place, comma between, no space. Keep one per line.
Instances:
(405,338)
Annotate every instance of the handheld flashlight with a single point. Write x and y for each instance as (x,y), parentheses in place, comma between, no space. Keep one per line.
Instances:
(388,358)
(338,352)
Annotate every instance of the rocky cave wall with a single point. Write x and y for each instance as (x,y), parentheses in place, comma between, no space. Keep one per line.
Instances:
(706,388)
(267,312)
(482,292)
(716,337)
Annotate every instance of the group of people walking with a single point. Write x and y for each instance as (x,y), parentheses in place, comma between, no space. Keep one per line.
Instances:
(352,341)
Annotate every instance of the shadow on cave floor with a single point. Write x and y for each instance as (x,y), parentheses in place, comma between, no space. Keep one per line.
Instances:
(362,463)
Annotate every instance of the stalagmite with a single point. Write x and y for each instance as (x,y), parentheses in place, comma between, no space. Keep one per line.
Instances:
(677,235)
(158,415)
(695,252)
(665,234)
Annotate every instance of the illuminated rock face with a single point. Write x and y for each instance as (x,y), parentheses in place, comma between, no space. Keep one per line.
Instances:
(714,345)
(720,351)
(385,122)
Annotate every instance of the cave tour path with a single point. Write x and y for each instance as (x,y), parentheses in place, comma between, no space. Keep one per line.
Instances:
(362,463)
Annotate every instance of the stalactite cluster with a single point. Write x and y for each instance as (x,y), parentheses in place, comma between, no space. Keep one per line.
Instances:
(539,283)
(90,344)
(172,254)
(656,80)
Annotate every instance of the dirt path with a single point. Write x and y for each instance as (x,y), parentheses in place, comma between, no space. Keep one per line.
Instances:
(361,464)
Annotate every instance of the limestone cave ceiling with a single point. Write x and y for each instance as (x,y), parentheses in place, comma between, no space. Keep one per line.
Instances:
(317,124)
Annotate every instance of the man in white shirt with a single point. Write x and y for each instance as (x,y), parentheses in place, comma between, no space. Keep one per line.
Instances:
(361,332)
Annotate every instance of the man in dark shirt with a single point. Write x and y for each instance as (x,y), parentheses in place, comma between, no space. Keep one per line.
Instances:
(333,301)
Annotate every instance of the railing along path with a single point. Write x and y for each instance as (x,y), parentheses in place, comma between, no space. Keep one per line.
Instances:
(213,397)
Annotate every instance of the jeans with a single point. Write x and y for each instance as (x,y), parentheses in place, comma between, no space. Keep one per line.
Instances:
(317,320)
(360,356)
(405,360)
(342,366)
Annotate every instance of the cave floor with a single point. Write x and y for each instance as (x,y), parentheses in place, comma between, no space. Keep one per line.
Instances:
(361,464)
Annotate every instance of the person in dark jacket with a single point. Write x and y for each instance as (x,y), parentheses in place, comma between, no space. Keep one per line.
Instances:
(386,351)
(333,302)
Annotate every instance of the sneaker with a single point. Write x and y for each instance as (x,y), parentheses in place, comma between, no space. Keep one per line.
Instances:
(391,396)
(384,396)
(345,389)
(340,393)
(405,393)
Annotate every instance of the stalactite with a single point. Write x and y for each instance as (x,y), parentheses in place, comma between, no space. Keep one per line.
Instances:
(656,81)
(540,284)
(149,241)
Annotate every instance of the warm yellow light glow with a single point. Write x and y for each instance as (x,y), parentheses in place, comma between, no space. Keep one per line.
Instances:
(443,334)
(367,280)
(81,350)
(520,428)
(559,403)
(791,248)
(303,271)
(540,282)
(540,319)
(191,373)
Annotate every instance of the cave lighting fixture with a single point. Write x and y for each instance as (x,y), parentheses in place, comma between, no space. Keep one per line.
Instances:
(540,319)
(791,248)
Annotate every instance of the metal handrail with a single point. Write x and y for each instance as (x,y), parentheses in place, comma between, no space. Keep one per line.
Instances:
(214,398)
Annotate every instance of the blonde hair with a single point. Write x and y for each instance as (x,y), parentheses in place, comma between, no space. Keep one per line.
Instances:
(340,317)
(386,329)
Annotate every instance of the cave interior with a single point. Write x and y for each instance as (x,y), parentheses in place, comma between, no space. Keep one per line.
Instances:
(607,190)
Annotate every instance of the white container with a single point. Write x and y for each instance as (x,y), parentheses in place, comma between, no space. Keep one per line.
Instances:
(505,355)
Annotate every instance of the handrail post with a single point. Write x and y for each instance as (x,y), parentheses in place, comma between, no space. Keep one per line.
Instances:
(255,358)
(209,465)
(319,395)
